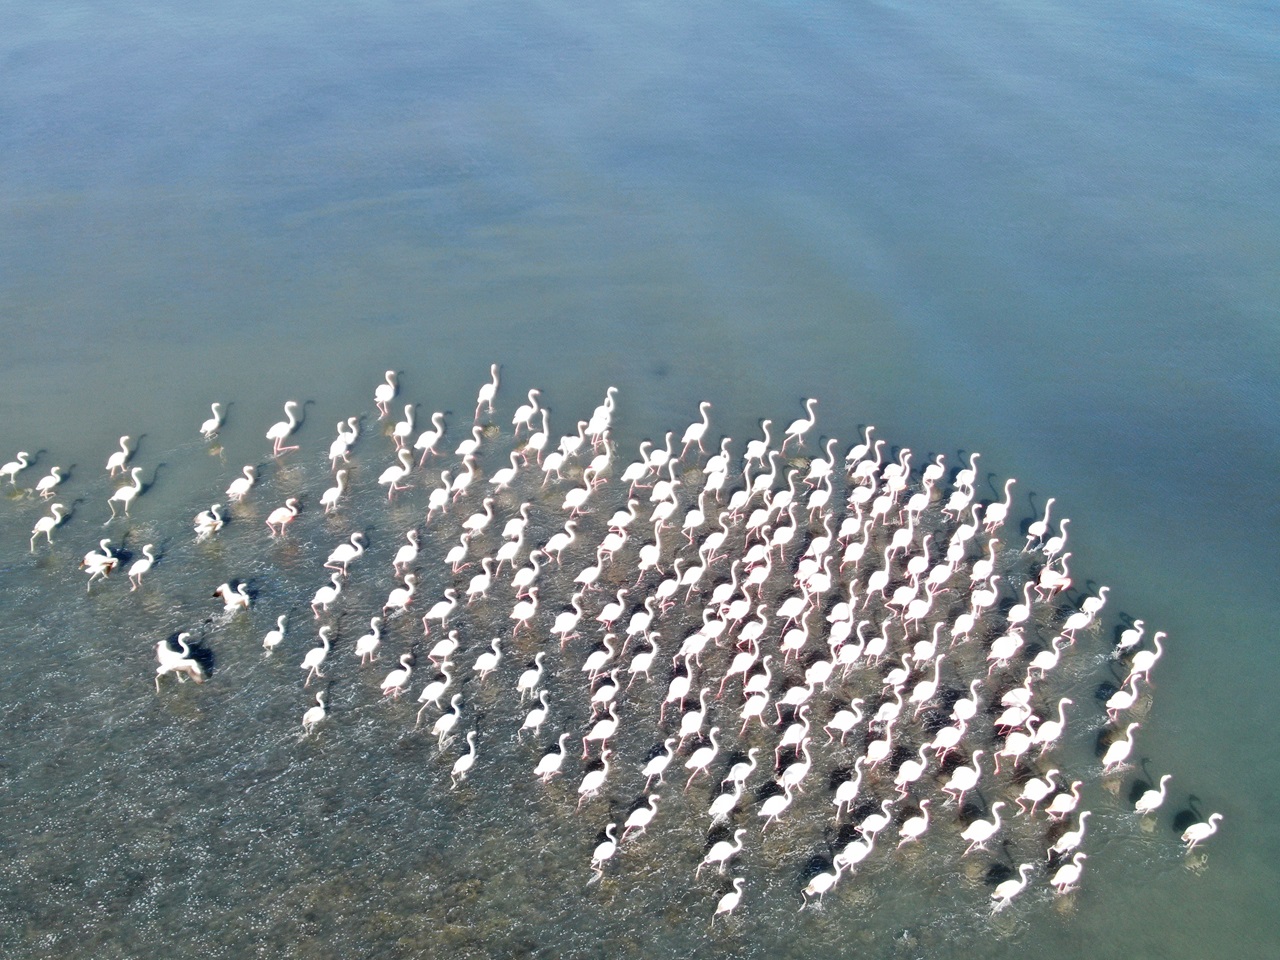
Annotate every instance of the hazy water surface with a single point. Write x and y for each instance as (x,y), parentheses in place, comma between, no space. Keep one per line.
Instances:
(1044,232)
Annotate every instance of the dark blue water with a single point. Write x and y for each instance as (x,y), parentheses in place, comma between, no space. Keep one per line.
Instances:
(1045,233)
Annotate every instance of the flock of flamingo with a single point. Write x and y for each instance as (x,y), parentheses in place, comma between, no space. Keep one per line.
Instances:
(781,623)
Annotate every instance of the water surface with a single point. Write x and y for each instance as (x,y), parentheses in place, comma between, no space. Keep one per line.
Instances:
(1046,233)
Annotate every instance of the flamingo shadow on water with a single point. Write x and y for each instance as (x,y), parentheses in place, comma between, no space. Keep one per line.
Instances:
(1188,815)
(1105,690)
(975,806)
(1000,870)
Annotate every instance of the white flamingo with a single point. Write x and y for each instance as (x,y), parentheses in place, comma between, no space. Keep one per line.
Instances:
(280,431)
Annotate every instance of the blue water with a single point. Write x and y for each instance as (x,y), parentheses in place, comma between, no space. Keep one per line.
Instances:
(1045,232)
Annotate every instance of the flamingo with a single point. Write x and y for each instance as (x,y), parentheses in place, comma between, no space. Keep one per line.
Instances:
(1123,699)
(447,721)
(384,393)
(1063,803)
(282,516)
(995,513)
(551,762)
(703,757)
(823,882)
(400,597)
(487,391)
(392,475)
(847,791)
(657,765)
(234,599)
(241,485)
(1068,874)
(729,902)
(395,682)
(980,831)
(527,684)
(1050,730)
(1118,752)
(1129,638)
(524,610)
(801,426)
(1051,582)
(925,689)
(873,823)
(859,450)
(1008,889)
(344,553)
(695,431)
(435,690)
(1053,546)
(607,690)
(115,463)
(1038,528)
(45,485)
(463,765)
(963,779)
(691,720)
(126,495)
(479,586)
(180,664)
(281,430)
(1016,743)
(910,771)
(428,439)
(407,554)
(525,413)
(341,446)
(45,525)
(739,772)
(367,645)
(757,449)
(1151,799)
(1144,660)
(913,827)
(14,467)
(314,715)
(1035,790)
(440,610)
(460,482)
(845,720)
(315,657)
(274,637)
(487,662)
(593,780)
(209,428)
(1200,832)
(1071,839)
(444,648)
(567,620)
(1046,660)
(329,499)
(604,850)
(400,432)
(140,566)
(522,581)
(722,851)
(640,818)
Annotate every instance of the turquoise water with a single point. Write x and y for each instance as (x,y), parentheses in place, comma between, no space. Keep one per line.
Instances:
(1044,232)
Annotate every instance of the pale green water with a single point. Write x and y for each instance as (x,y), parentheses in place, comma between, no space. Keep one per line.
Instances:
(1045,233)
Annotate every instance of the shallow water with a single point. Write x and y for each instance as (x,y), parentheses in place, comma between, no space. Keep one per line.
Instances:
(1046,234)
